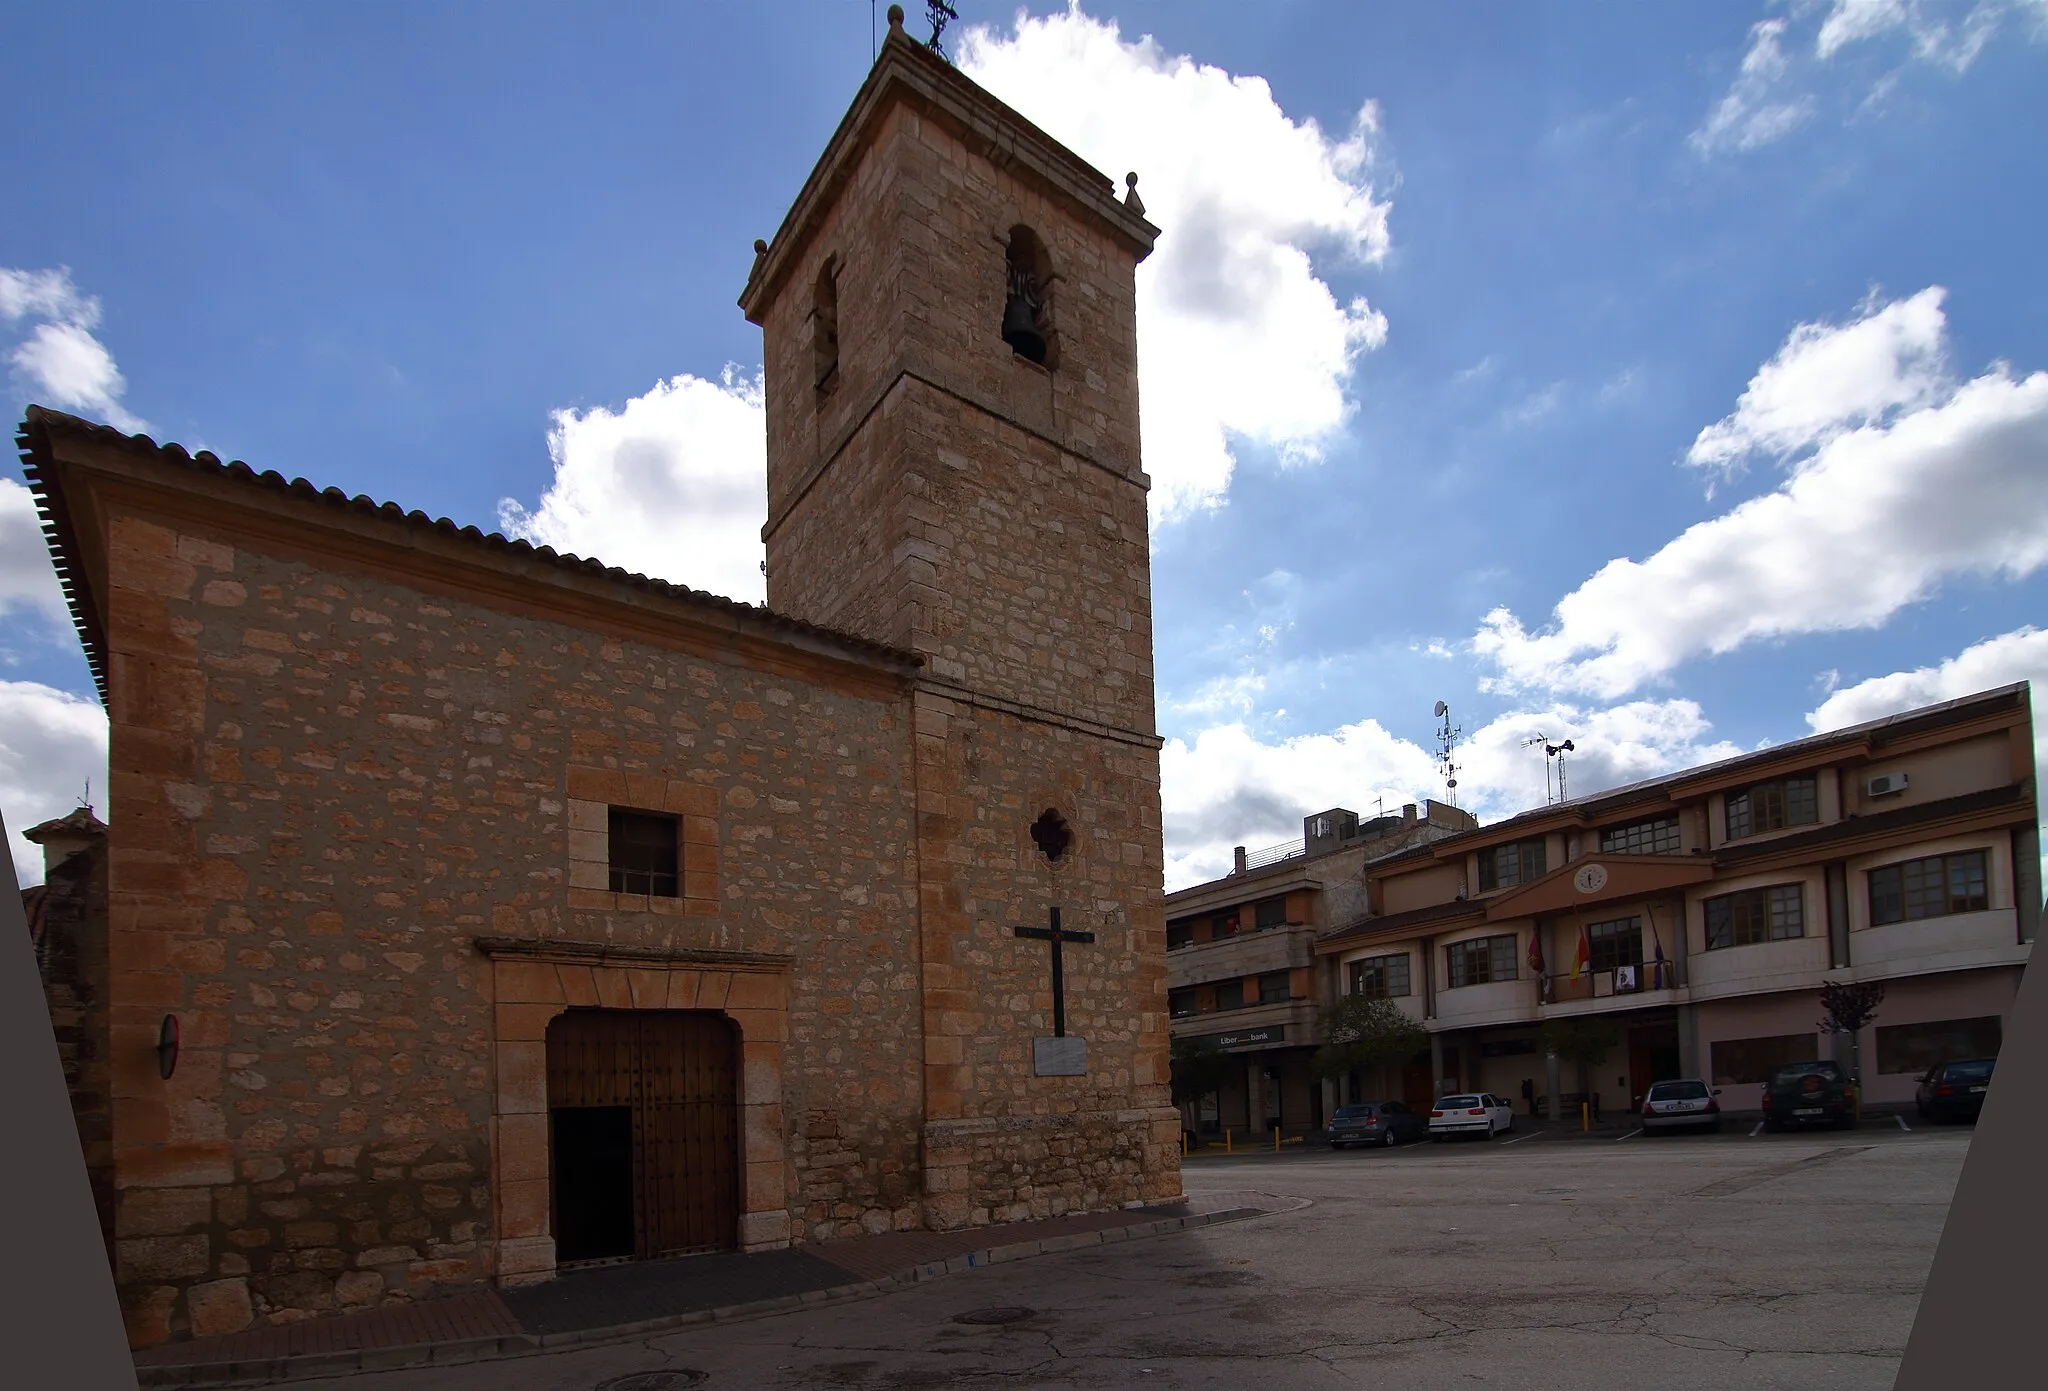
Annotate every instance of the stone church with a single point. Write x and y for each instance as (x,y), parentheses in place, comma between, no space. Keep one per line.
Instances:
(474,910)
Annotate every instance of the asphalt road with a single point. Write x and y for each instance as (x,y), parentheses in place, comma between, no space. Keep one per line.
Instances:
(1532,1262)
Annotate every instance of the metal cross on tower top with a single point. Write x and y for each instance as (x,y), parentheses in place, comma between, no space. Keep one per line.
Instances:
(1056,935)
(941,14)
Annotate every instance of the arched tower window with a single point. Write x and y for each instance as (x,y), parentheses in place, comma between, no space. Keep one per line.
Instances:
(1027,303)
(825,326)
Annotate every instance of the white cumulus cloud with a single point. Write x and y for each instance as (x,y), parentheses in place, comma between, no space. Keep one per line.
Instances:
(27,580)
(671,485)
(1226,786)
(59,362)
(1878,516)
(1238,337)
(51,742)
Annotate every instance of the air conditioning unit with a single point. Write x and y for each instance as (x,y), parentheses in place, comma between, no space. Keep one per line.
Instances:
(1625,978)
(1886,785)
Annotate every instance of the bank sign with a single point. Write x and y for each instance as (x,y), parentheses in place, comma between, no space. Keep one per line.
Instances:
(1244,1038)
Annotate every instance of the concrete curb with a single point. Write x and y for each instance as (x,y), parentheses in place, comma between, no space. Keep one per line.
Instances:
(328,1364)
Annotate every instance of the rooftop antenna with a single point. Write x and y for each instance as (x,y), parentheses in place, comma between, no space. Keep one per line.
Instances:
(1532,742)
(1557,751)
(941,14)
(1446,743)
(86,800)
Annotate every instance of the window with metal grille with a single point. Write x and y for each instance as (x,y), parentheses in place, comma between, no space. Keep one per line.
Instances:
(1774,914)
(1930,887)
(1504,866)
(1617,942)
(1272,912)
(1480,961)
(644,855)
(1380,977)
(1772,806)
(1275,988)
(1658,837)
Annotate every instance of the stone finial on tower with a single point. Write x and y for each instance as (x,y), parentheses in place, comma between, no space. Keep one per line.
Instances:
(1131,199)
(895,16)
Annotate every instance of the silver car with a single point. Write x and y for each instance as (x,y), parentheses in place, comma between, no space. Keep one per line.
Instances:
(1684,1104)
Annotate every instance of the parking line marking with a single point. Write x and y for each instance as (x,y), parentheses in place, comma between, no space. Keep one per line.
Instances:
(1630,1136)
(1533,1135)
(1758,1131)
(1902,1124)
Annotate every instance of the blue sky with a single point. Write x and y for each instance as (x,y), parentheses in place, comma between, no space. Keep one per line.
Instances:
(1454,309)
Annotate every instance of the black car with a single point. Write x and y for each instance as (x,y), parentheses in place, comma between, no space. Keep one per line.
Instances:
(1383,1123)
(1814,1093)
(1953,1091)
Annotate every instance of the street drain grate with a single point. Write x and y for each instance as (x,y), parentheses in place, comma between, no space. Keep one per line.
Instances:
(673,1379)
(1008,1313)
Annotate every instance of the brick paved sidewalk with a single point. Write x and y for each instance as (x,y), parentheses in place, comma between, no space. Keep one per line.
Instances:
(585,1305)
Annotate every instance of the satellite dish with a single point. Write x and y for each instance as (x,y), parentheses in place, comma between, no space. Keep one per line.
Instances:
(1442,709)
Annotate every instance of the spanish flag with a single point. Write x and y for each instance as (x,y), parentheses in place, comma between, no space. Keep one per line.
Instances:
(1585,954)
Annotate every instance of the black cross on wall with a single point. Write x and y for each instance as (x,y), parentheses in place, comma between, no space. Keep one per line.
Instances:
(1057,936)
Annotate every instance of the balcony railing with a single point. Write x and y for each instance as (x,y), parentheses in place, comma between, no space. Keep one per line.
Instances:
(1600,985)
(1274,854)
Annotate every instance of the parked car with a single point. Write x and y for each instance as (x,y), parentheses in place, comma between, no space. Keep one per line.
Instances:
(1953,1091)
(1470,1113)
(1815,1093)
(1684,1104)
(1382,1123)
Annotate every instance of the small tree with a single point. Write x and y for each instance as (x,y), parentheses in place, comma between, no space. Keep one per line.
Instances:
(1585,1042)
(1199,1068)
(1360,1033)
(1848,1009)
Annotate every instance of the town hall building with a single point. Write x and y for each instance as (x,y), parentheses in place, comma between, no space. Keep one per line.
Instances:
(473,911)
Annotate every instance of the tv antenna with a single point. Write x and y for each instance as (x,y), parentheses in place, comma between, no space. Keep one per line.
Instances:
(1551,752)
(1447,743)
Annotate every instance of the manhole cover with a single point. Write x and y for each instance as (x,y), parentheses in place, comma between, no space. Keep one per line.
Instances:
(1009,1313)
(673,1379)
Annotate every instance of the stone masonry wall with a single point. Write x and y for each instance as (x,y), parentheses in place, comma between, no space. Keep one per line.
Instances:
(328,783)
(75,991)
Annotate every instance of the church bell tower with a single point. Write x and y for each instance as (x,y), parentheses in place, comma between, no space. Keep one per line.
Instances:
(950,346)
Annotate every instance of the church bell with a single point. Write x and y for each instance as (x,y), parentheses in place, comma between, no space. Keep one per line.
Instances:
(1020,328)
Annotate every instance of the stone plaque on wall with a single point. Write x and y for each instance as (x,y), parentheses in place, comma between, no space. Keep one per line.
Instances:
(1060,1057)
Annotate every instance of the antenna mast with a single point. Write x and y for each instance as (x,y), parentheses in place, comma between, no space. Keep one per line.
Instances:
(1446,744)
(1532,742)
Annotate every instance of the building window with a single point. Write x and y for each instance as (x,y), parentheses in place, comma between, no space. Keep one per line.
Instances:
(1480,961)
(1772,806)
(1380,977)
(1658,837)
(1223,925)
(1230,994)
(1505,866)
(1914,1048)
(1272,912)
(825,327)
(1741,1060)
(1181,1003)
(1615,943)
(643,853)
(1180,933)
(1275,988)
(1775,914)
(1929,888)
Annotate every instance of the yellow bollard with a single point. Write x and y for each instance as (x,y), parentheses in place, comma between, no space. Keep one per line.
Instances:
(1585,1116)
(1276,1139)
(1226,1142)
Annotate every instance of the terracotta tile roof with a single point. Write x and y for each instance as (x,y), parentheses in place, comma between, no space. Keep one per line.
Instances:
(1395,922)
(78,821)
(41,423)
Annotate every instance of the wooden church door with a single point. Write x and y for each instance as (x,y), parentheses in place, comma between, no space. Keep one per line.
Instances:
(644,1122)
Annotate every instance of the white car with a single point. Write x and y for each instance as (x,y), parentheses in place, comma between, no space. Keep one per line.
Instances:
(1470,1113)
